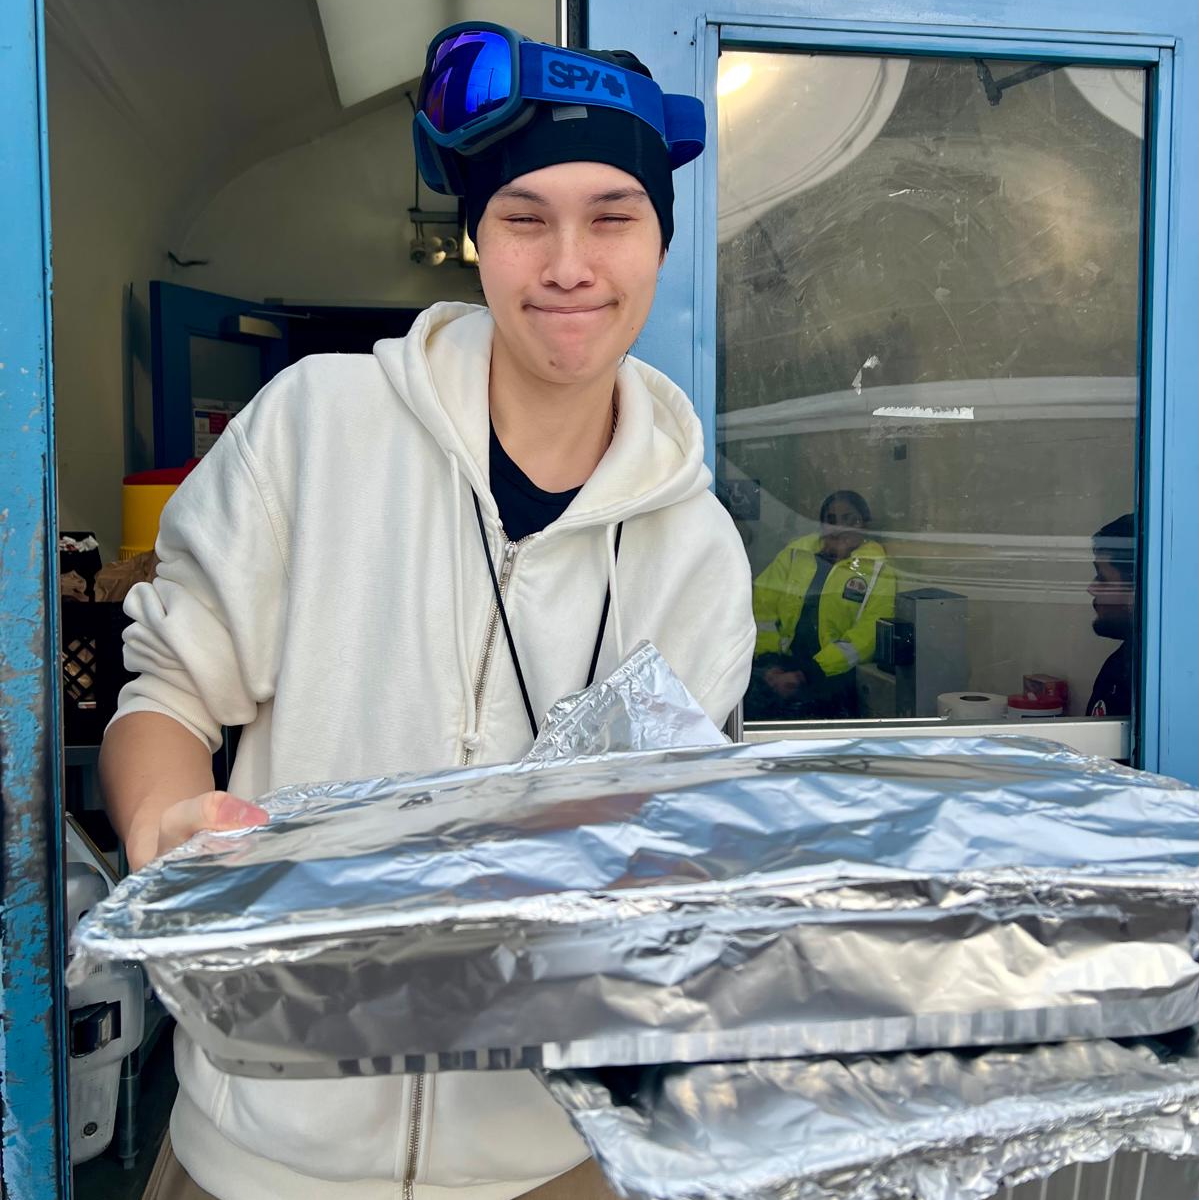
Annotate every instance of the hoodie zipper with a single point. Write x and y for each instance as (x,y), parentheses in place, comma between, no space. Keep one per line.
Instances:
(418,1081)
(418,1104)
(493,624)
(489,642)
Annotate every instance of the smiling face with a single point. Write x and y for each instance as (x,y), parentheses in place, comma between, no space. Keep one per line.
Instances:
(568,258)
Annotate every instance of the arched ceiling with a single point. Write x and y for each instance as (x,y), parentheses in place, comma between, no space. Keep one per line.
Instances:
(214,88)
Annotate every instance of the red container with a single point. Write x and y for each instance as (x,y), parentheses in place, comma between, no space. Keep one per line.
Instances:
(1047,687)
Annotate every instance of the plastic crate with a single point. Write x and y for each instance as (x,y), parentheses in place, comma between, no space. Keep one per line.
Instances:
(93,668)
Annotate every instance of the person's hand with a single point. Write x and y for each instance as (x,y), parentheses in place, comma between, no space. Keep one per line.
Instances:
(784,683)
(172,827)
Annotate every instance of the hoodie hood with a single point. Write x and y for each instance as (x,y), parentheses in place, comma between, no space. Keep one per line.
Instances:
(440,371)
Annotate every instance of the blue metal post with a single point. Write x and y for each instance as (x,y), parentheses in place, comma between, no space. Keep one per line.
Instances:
(33,1086)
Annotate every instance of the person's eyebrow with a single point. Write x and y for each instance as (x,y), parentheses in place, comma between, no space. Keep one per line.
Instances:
(511,192)
(614,196)
(617,195)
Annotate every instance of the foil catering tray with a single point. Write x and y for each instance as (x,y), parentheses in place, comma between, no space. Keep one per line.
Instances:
(696,904)
(938,1125)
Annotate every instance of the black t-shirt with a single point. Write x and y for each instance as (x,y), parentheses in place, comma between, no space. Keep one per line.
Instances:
(1112,693)
(524,507)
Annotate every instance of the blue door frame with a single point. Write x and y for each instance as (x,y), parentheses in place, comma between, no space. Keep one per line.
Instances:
(33,1081)
(681,38)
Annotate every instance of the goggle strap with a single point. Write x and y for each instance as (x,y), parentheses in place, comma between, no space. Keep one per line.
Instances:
(435,165)
(559,76)
(686,127)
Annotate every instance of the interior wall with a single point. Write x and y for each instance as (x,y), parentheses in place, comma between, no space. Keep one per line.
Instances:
(326,222)
(110,205)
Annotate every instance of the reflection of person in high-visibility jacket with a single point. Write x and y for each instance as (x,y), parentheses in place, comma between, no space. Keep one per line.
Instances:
(817,606)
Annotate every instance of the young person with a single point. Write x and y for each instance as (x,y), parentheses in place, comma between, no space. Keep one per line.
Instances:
(332,573)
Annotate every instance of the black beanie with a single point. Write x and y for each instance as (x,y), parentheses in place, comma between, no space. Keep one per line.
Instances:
(561,133)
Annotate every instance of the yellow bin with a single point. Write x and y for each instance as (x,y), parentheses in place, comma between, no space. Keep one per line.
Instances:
(143,497)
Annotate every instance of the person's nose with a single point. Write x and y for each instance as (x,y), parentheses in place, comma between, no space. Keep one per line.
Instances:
(568,262)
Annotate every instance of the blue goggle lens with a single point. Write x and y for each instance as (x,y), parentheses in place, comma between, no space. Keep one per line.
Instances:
(470,75)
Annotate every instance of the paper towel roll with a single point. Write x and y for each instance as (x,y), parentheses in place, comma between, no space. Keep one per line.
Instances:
(971,706)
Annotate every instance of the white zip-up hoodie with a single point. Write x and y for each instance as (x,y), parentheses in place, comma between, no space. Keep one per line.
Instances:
(323,583)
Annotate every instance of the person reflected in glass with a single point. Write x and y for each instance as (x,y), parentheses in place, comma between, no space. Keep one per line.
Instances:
(817,607)
(1113,595)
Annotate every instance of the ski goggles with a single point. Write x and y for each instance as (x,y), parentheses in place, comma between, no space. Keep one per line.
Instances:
(482,82)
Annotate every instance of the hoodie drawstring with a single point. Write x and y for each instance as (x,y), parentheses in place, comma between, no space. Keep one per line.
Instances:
(470,734)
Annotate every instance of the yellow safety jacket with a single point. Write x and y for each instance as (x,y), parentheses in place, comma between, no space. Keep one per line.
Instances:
(858,591)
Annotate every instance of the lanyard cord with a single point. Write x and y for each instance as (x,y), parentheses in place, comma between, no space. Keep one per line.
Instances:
(499,600)
(599,637)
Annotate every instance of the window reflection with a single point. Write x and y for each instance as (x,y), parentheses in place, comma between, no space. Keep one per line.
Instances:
(930,300)
(1113,596)
(817,608)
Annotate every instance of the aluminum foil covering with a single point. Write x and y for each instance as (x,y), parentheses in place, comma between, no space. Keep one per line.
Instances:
(722,902)
(939,1125)
(642,705)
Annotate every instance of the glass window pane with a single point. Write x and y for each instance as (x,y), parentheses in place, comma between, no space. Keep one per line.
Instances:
(927,370)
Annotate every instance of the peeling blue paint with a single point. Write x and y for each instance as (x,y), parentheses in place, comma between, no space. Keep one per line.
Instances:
(34,1158)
